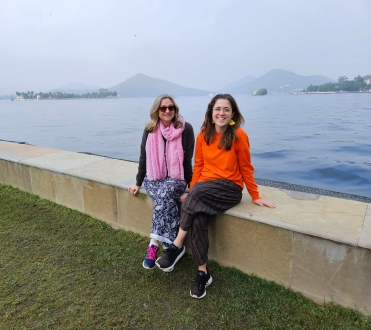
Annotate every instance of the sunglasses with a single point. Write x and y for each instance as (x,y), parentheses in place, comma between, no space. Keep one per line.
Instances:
(163,109)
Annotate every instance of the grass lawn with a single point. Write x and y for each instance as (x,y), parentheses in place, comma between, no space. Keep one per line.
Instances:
(61,269)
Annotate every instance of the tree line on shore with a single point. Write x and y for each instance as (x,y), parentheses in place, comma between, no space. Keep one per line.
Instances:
(6,97)
(343,84)
(102,93)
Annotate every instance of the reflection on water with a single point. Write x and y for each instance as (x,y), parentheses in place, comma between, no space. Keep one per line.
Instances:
(322,141)
(342,173)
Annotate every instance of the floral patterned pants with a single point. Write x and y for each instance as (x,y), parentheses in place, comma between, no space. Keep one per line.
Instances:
(165,217)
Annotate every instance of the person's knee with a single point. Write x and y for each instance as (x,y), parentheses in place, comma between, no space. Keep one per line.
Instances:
(166,192)
(163,195)
(193,193)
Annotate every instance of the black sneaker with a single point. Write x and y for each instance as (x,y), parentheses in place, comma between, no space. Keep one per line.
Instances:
(203,280)
(170,257)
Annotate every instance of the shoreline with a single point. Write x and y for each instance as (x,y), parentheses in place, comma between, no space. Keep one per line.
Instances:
(340,92)
(71,98)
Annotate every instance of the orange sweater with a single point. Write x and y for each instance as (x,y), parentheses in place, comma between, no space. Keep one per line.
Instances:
(212,163)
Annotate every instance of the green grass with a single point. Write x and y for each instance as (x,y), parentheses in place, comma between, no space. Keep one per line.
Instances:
(61,269)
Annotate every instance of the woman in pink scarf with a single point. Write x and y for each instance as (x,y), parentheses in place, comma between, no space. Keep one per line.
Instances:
(165,168)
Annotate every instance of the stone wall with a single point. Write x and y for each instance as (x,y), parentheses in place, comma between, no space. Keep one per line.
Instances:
(317,245)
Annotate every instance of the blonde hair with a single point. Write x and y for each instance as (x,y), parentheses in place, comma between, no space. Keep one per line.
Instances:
(152,125)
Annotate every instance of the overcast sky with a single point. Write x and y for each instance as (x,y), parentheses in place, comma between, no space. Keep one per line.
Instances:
(202,44)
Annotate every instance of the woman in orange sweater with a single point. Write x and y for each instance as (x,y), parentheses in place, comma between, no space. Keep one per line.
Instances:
(222,167)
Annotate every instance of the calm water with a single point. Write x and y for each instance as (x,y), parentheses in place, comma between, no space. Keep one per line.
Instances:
(322,141)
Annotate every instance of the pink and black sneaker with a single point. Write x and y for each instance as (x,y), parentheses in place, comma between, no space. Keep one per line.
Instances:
(149,260)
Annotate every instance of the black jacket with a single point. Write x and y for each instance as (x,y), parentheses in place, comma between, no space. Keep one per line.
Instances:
(188,143)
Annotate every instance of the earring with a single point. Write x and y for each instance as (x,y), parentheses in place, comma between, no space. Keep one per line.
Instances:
(213,122)
(232,122)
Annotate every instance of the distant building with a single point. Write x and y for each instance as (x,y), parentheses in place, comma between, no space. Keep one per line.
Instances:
(367,79)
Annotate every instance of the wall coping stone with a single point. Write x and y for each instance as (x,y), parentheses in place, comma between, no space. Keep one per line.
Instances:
(335,219)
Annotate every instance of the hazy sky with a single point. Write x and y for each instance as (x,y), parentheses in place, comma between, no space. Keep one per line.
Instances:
(202,44)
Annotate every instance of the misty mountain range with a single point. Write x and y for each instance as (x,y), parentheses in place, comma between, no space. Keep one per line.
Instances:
(277,80)
(141,85)
(76,88)
(238,84)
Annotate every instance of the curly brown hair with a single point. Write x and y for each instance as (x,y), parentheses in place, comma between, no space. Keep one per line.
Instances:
(230,134)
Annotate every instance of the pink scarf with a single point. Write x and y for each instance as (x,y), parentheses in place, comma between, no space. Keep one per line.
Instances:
(155,150)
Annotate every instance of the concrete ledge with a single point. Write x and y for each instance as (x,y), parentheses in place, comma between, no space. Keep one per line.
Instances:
(317,245)
(365,232)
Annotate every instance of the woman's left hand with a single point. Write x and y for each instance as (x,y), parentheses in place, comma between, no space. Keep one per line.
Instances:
(263,202)
(183,197)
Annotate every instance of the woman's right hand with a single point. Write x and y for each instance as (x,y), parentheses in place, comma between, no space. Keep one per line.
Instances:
(183,197)
(133,189)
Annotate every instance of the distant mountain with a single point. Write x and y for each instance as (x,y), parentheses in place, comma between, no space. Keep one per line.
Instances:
(76,88)
(239,83)
(141,85)
(280,81)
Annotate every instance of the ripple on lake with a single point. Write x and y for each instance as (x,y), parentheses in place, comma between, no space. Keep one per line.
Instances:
(316,140)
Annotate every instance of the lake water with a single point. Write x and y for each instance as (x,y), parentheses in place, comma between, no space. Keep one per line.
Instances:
(322,141)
